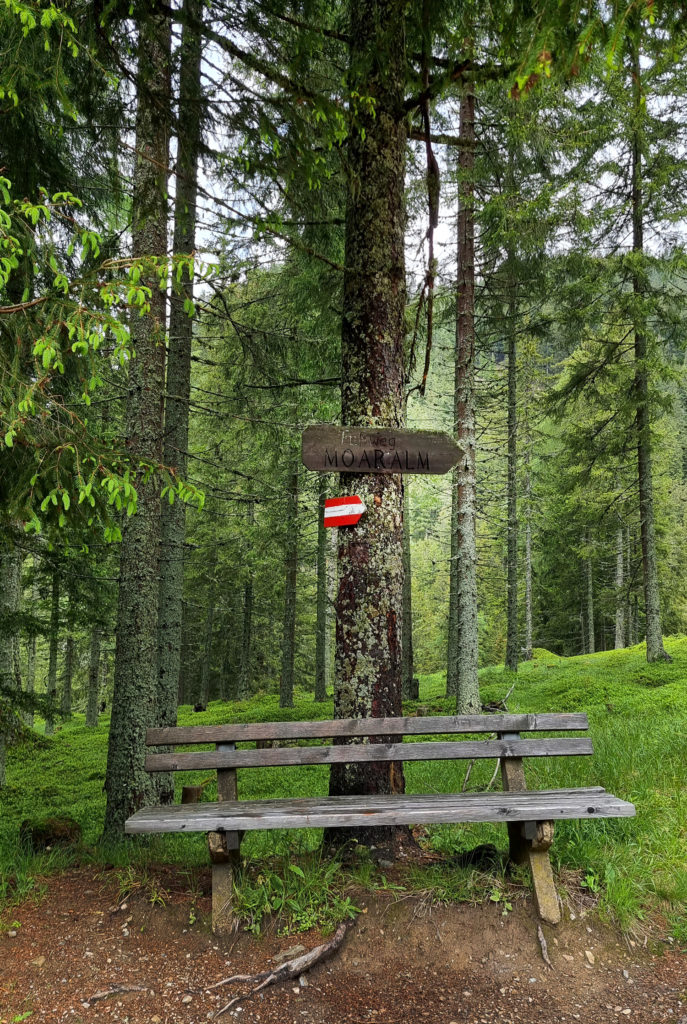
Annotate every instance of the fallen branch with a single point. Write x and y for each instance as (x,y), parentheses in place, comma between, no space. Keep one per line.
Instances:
(492,780)
(544,947)
(117,990)
(291,969)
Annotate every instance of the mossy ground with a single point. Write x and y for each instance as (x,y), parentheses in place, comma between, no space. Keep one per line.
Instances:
(638,722)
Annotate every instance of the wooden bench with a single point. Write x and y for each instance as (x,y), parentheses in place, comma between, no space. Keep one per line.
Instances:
(529,815)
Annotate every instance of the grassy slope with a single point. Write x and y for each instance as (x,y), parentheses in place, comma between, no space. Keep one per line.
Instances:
(638,717)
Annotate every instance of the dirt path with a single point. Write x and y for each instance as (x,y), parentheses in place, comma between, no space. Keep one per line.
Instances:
(76,952)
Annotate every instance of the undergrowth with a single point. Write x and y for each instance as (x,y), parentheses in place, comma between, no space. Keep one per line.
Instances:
(634,866)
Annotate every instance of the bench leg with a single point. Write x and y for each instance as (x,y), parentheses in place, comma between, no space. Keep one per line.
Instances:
(225,856)
(538,837)
(545,895)
(529,842)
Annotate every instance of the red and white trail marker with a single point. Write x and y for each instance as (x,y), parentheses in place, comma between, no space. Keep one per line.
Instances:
(343,511)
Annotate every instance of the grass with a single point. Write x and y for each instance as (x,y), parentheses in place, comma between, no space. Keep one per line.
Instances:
(638,720)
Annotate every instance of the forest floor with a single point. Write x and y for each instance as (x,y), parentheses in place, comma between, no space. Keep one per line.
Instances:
(84,952)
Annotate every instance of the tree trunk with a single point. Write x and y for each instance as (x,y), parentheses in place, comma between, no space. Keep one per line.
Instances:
(619,590)
(93,694)
(16,559)
(206,665)
(128,786)
(628,589)
(589,595)
(453,644)
(178,386)
(410,687)
(322,598)
(528,585)
(31,658)
(369,600)
(10,587)
(245,676)
(512,652)
(654,637)
(288,648)
(467,683)
(51,691)
(67,678)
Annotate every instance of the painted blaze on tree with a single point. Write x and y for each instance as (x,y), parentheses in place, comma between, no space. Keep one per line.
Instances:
(368,626)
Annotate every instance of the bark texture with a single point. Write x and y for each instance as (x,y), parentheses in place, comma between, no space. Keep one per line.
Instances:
(128,786)
(31,659)
(369,599)
(410,690)
(589,597)
(512,652)
(619,590)
(288,648)
(51,689)
(652,605)
(467,685)
(93,693)
(321,624)
(206,667)
(178,386)
(245,674)
(68,673)
(10,590)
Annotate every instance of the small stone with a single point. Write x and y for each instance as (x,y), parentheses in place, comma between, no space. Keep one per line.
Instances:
(12,933)
(156,1020)
(296,991)
(303,981)
(570,959)
(39,961)
(186,999)
(589,955)
(627,1012)
(626,975)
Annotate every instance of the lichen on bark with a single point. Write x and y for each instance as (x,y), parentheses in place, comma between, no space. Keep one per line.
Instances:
(369,600)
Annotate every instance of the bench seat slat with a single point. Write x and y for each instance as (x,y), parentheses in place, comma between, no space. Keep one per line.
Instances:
(435,724)
(357,752)
(325,812)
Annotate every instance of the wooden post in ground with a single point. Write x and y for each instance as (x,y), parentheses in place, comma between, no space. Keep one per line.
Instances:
(529,841)
(224,848)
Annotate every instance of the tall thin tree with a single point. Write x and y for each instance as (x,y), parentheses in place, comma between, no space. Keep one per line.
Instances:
(127,785)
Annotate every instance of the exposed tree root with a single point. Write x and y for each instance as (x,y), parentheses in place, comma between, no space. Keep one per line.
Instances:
(291,969)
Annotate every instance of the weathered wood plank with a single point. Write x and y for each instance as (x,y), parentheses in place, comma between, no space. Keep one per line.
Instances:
(328,448)
(358,752)
(247,732)
(332,812)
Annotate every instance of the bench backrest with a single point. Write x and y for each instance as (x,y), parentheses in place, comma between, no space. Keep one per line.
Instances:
(385,736)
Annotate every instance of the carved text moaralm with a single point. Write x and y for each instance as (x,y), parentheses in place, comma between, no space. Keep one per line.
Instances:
(376,458)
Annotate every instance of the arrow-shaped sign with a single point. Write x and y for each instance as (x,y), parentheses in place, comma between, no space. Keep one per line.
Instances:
(343,511)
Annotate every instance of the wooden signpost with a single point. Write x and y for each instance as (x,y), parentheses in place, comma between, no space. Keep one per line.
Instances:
(331,449)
